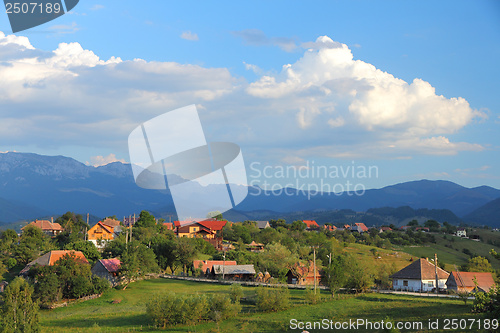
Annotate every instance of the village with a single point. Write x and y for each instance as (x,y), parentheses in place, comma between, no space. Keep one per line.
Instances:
(217,249)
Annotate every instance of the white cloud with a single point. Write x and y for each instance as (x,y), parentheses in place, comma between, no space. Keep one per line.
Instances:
(257,37)
(103,160)
(188,35)
(326,104)
(97,7)
(65,28)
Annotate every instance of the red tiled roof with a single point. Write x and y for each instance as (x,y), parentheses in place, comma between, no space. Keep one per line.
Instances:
(112,265)
(45,225)
(466,280)
(50,258)
(330,227)
(213,224)
(210,263)
(420,269)
(311,223)
(386,229)
(111,222)
(169,225)
(362,226)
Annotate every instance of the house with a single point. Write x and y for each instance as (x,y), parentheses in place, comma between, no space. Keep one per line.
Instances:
(107,269)
(100,233)
(461,232)
(169,225)
(359,227)
(206,266)
(311,225)
(303,275)
(214,225)
(464,281)
(130,221)
(50,258)
(384,229)
(47,227)
(262,224)
(3,285)
(195,229)
(255,247)
(233,272)
(419,276)
(329,227)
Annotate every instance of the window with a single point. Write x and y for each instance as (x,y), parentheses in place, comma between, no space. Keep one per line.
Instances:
(405,283)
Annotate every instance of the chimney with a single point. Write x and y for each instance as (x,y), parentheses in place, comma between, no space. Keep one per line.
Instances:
(52,219)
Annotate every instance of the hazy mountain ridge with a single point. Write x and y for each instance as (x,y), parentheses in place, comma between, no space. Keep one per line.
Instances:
(34,185)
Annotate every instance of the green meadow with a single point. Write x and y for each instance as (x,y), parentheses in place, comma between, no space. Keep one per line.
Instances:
(124,310)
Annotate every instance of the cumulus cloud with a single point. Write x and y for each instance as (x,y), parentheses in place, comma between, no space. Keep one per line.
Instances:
(326,104)
(103,160)
(188,35)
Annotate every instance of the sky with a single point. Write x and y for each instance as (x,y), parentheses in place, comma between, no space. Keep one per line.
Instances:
(406,88)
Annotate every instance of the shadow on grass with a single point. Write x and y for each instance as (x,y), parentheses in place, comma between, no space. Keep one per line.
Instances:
(125,322)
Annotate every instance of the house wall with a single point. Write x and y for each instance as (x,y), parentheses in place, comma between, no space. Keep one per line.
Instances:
(417,285)
(98,232)
(100,271)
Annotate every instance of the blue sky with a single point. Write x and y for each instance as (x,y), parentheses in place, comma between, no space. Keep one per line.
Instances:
(290,82)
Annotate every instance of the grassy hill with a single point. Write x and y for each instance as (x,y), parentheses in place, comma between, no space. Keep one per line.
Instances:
(450,250)
(104,315)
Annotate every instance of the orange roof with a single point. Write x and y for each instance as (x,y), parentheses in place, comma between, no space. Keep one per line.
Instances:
(466,280)
(111,222)
(304,271)
(169,225)
(253,243)
(107,228)
(58,254)
(362,226)
(50,258)
(330,227)
(45,225)
(213,225)
(210,263)
(311,223)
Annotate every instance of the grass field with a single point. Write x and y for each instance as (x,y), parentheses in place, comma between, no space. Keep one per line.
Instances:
(101,315)
(451,251)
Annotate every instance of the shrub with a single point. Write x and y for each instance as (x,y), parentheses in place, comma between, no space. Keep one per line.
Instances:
(312,297)
(171,309)
(272,299)
(236,292)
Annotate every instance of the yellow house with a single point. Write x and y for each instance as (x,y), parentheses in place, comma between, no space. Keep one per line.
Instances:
(195,230)
(100,232)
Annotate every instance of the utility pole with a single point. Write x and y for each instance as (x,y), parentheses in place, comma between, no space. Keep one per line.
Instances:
(314,258)
(224,265)
(436,271)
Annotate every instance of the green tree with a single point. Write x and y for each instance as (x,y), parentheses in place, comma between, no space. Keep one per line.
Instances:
(136,261)
(277,259)
(215,215)
(19,312)
(73,224)
(298,226)
(146,220)
(359,275)
(432,225)
(413,223)
(32,242)
(478,264)
(186,251)
(335,274)
(88,249)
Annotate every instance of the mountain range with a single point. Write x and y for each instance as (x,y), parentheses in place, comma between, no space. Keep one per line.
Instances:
(35,186)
